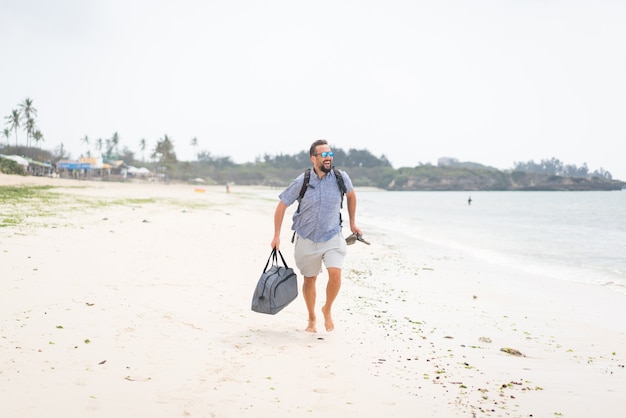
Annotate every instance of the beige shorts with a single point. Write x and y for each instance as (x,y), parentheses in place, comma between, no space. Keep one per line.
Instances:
(309,255)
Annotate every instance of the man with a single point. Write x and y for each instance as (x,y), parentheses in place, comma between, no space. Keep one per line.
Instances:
(317,226)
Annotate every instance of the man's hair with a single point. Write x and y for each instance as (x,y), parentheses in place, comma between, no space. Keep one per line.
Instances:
(314,145)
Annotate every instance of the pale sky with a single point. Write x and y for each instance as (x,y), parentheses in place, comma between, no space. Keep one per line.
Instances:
(488,81)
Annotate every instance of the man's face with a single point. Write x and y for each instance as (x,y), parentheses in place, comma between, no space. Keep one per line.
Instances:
(323,158)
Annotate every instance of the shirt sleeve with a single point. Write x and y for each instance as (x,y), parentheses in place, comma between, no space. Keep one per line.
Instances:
(291,193)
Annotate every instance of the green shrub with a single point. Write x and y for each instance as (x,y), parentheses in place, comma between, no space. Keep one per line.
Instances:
(8,166)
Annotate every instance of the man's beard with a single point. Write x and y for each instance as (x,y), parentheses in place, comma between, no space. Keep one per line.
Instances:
(324,169)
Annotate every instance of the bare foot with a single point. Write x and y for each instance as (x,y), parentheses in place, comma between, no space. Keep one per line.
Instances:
(328,320)
(311,327)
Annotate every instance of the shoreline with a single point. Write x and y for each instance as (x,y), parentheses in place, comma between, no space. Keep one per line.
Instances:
(141,308)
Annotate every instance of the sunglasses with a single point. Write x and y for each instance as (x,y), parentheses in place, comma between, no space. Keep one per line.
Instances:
(326,154)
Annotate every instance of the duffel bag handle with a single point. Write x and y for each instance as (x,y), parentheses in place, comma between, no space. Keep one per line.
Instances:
(274,258)
(282,258)
(271,257)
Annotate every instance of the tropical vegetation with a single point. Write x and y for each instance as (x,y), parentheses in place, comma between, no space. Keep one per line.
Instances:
(365,168)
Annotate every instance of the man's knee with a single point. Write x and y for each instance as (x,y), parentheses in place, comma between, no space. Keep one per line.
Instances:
(334,273)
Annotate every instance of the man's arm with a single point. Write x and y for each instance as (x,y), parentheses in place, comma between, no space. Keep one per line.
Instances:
(279,215)
(351,197)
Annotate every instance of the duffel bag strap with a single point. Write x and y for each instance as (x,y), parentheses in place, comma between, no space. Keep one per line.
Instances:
(272,258)
(282,258)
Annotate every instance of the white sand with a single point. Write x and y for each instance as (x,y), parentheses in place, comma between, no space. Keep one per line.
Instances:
(133,300)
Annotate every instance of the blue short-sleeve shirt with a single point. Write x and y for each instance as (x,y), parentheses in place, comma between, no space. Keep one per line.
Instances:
(319,216)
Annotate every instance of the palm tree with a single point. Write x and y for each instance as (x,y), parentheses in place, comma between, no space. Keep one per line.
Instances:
(85,140)
(37,136)
(13,121)
(27,108)
(108,148)
(29,113)
(164,154)
(115,140)
(194,144)
(60,152)
(142,147)
(30,128)
(6,133)
(99,145)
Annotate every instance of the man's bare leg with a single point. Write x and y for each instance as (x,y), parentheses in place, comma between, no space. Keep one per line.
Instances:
(308,291)
(332,290)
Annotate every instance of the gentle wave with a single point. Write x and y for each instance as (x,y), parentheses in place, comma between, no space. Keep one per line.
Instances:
(572,236)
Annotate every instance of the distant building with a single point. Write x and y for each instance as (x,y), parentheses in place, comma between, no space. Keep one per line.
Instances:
(447,161)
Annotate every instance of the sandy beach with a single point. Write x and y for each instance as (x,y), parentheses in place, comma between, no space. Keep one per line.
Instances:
(133,300)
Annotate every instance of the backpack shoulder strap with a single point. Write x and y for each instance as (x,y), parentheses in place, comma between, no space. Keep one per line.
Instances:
(305,184)
(340,183)
(307,177)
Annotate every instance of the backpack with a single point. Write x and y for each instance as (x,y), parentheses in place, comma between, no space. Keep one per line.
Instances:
(305,186)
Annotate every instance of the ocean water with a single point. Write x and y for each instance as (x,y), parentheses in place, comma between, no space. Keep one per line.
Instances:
(575,236)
